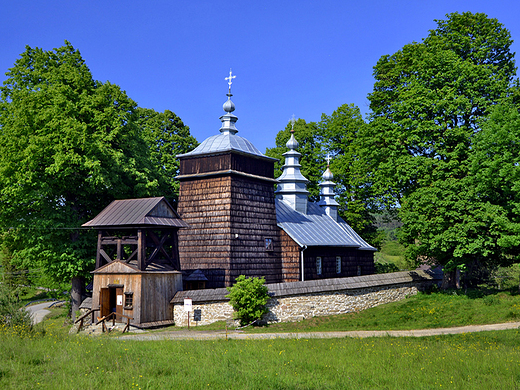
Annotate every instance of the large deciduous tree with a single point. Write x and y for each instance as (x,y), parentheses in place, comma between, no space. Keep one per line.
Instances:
(427,105)
(167,136)
(338,137)
(494,167)
(68,146)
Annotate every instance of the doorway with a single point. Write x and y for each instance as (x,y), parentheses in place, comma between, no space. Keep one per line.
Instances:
(111,301)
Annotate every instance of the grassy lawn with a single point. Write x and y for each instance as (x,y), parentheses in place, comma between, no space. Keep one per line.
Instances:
(50,358)
(54,360)
(392,252)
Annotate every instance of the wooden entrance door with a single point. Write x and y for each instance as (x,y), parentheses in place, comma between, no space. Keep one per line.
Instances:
(119,302)
(111,300)
(104,302)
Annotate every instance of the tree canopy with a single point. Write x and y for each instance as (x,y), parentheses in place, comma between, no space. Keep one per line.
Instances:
(438,148)
(427,108)
(69,145)
(167,136)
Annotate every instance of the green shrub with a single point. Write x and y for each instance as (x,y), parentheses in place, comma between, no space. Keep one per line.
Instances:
(385,268)
(11,313)
(248,297)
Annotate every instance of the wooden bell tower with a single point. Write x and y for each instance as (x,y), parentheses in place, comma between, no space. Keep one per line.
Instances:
(227,197)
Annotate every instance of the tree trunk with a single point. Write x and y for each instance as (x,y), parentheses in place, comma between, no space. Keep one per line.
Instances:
(451,280)
(76,294)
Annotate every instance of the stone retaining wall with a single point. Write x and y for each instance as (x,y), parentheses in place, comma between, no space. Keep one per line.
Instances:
(299,300)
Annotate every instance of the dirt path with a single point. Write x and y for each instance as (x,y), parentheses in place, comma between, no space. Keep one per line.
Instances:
(212,335)
(39,311)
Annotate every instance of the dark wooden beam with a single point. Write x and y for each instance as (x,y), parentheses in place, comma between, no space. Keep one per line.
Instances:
(98,252)
(105,256)
(141,250)
(159,246)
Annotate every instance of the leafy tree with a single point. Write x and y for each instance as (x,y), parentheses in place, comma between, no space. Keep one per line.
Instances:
(338,134)
(167,136)
(428,99)
(495,177)
(428,102)
(248,297)
(68,146)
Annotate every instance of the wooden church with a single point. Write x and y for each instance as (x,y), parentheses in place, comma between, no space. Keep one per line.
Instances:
(230,221)
(239,224)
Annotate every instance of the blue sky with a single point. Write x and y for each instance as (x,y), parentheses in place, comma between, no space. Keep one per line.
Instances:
(290,57)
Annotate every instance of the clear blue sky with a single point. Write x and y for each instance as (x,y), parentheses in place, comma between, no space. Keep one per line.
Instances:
(290,57)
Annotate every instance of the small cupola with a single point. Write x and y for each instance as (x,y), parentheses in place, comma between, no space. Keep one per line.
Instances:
(327,194)
(292,185)
(228,119)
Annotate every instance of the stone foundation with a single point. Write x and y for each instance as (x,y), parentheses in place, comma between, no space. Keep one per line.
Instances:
(299,300)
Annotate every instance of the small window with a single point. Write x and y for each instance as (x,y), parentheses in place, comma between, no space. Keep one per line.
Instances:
(318,265)
(269,244)
(359,270)
(338,264)
(129,300)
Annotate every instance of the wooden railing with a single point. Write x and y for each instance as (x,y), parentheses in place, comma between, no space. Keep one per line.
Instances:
(112,316)
(82,318)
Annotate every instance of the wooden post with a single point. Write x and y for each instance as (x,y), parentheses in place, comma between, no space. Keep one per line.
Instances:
(141,250)
(175,250)
(98,253)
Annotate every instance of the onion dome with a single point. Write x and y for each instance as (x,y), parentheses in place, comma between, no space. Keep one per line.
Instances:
(292,185)
(227,140)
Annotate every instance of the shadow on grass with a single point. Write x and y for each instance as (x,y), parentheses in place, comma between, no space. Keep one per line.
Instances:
(474,293)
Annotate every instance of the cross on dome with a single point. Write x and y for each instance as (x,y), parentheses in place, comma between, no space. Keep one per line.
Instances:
(328,159)
(230,79)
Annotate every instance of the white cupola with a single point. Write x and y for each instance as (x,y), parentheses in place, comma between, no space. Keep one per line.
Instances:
(292,185)
(327,195)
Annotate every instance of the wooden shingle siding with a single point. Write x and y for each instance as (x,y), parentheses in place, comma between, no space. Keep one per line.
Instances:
(230,218)
(205,204)
(290,258)
(224,162)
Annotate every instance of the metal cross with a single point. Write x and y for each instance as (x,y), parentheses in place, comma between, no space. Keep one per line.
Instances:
(230,79)
(328,159)
(293,121)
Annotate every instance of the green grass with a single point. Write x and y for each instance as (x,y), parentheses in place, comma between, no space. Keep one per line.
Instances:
(392,252)
(55,360)
(50,358)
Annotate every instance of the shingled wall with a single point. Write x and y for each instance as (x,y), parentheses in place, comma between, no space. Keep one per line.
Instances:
(299,300)
(230,217)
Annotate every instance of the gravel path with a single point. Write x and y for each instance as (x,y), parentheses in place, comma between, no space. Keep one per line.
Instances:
(212,335)
(39,310)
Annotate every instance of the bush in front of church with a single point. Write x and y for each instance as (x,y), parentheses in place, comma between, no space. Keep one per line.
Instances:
(248,297)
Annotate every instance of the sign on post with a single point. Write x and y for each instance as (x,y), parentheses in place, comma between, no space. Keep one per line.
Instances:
(187,309)
(187,304)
